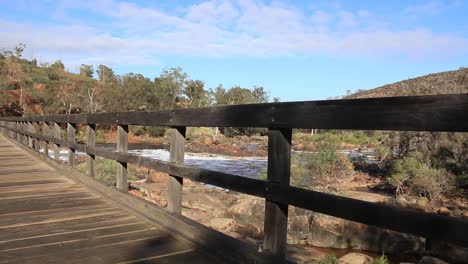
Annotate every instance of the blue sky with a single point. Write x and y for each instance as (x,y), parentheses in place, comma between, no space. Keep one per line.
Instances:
(297,50)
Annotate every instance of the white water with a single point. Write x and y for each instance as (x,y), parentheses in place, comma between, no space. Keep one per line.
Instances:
(246,166)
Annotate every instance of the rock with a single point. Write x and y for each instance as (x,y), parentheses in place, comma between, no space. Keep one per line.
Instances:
(355,258)
(443,211)
(223,224)
(465,214)
(423,202)
(248,206)
(328,239)
(431,260)
(299,229)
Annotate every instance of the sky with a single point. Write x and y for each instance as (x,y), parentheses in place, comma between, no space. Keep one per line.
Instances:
(297,50)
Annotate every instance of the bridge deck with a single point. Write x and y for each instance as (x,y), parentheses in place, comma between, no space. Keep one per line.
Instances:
(47,218)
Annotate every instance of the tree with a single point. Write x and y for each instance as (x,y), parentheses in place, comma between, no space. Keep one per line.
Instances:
(169,86)
(196,93)
(105,74)
(86,70)
(58,65)
(19,50)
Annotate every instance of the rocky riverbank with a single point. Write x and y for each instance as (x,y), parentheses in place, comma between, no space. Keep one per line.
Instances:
(311,235)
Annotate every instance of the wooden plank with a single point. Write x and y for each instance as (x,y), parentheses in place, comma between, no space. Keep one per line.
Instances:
(174,198)
(22,245)
(99,218)
(276,214)
(91,141)
(106,249)
(71,131)
(409,113)
(57,136)
(122,147)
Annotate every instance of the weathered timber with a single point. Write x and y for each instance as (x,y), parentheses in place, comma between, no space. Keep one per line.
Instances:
(57,137)
(45,132)
(122,147)
(174,199)
(279,167)
(91,141)
(59,225)
(71,131)
(409,113)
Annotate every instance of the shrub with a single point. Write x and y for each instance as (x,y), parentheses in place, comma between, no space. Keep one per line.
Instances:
(411,175)
(197,132)
(329,259)
(138,130)
(156,131)
(321,169)
(381,260)
(106,171)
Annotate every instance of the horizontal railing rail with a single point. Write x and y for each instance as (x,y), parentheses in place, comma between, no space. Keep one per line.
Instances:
(420,113)
(411,113)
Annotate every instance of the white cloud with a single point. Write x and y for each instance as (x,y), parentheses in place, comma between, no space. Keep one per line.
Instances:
(126,33)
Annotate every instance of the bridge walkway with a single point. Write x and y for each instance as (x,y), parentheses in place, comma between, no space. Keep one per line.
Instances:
(46,217)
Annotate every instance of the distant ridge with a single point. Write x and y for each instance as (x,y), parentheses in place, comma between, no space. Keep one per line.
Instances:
(449,82)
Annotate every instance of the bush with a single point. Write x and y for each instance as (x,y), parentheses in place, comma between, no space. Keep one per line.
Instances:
(412,176)
(106,171)
(148,130)
(329,259)
(156,131)
(197,132)
(138,130)
(322,169)
(381,260)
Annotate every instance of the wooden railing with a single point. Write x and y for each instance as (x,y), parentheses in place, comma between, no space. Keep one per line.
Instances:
(420,113)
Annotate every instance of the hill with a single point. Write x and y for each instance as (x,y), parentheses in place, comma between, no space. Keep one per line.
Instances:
(449,82)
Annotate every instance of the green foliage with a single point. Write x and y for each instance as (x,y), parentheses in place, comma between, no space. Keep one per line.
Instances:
(106,171)
(148,130)
(410,175)
(199,132)
(448,151)
(262,175)
(381,260)
(321,169)
(329,259)
(337,137)
(156,131)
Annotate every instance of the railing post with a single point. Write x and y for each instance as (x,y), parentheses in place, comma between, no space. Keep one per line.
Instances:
(29,128)
(71,130)
(24,137)
(279,168)
(19,135)
(45,132)
(91,142)
(122,146)
(36,140)
(57,136)
(177,145)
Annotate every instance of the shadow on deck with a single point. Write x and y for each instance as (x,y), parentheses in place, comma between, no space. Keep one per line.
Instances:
(47,218)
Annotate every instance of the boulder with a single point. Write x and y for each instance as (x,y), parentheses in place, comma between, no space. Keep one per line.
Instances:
(355,258)
(443,211)
(328,239)
(223,224)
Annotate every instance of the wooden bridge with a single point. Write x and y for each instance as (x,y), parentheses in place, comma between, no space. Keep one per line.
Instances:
(52,213)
